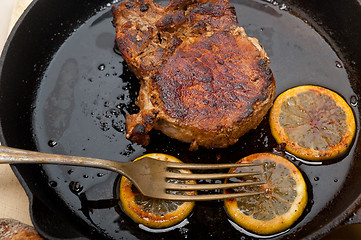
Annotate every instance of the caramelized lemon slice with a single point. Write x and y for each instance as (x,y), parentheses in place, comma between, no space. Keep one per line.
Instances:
(315,123)
(151,212)
(281,204)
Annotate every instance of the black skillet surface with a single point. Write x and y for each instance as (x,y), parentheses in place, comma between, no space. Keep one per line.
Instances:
(63,89)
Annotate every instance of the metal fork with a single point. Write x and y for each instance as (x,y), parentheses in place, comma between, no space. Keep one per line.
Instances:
(150,176)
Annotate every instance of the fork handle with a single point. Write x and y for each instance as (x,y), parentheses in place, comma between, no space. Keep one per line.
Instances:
(19,156)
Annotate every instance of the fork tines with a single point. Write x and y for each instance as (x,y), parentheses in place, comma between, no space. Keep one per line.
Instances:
(206,197)
(172,186)
(199,176)
(207,166)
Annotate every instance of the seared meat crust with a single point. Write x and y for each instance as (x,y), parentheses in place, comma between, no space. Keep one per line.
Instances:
(203,81)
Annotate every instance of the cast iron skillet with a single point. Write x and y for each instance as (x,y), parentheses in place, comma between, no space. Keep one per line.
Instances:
(64,89)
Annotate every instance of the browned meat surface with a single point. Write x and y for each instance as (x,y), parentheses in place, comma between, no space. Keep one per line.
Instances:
(203,81)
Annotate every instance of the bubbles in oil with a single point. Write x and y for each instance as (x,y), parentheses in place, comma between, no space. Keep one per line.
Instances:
(184,232)
(353,100)
(75,187)
(338,64)
(104,126)
(280,6)
(265,141)
(52,143)
(53,184)
(283,6)
(116,50)
(128,150)
(118,126)
(101,67)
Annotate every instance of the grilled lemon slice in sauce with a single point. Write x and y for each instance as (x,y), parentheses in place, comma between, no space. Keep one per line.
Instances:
(151,212)
(315,123)
(282,202)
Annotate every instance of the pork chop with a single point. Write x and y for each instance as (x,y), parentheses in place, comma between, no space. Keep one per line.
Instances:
(203,80)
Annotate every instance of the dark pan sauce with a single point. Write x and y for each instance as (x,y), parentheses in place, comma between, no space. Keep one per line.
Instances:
(87,89)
